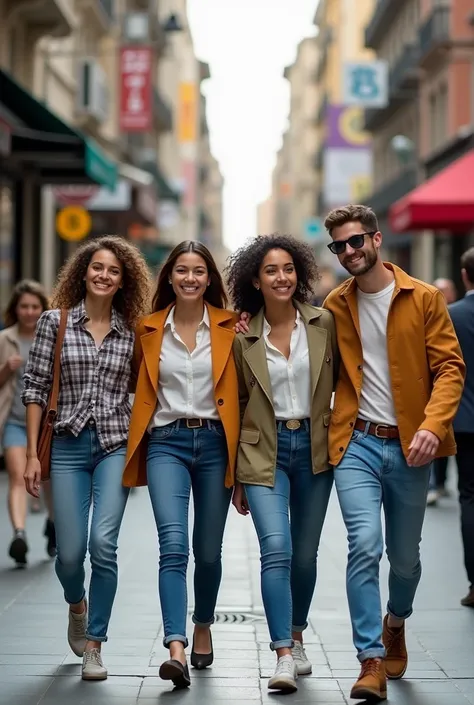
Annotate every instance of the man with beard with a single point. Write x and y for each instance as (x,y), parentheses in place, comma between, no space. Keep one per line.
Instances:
(400,383)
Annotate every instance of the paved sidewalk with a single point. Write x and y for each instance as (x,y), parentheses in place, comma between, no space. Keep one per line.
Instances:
(37,667)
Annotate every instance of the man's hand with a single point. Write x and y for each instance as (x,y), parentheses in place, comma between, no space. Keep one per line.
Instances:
(422,449)
(242,325)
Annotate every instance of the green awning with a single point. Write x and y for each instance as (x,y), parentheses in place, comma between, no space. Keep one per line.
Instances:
(59,152)
(165,190)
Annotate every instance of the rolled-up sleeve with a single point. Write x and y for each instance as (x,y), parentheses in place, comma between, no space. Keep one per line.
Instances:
(38,377)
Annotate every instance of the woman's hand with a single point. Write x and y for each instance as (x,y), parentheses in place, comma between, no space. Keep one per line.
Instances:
(239,500)
(32,477)
(242,325)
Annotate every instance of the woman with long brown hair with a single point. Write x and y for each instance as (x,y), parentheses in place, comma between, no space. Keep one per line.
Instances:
(27,302)
(104,286)
(183,437)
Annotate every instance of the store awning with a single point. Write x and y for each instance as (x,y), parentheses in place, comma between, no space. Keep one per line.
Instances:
(444,202)
(57,152)
(165,191)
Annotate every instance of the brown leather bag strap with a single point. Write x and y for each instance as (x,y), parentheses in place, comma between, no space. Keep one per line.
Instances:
(53,400)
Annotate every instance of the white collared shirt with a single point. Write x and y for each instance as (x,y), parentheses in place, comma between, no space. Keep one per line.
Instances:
(185,384)
(290,379)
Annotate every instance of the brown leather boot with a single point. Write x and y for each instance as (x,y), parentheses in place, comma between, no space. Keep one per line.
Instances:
(396,658)
(371,684)
(468,601)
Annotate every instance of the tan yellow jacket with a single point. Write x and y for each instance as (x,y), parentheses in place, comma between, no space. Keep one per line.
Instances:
(257,452)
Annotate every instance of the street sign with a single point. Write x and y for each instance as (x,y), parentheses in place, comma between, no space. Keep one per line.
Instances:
(313,230)
(75,194)
(73,223)
(365,83)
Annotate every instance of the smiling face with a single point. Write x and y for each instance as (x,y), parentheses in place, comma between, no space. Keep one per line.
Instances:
(357,261)
(189,277)
(28,310)
(277,277)
(104,275)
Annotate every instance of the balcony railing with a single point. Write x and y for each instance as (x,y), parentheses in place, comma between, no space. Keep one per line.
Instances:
(435,31)
(162,112)
(382,16)
(381,199)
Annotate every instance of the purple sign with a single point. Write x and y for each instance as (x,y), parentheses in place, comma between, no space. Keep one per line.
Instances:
(344,125)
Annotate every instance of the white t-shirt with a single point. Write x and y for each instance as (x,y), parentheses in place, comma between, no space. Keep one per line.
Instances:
(376,401)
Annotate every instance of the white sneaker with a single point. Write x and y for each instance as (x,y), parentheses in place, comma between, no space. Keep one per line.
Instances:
(92,667)
(432,498)
(76,631)
(285,675)
(303,665)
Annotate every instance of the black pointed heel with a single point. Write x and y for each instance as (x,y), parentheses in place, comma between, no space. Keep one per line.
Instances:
(200,661)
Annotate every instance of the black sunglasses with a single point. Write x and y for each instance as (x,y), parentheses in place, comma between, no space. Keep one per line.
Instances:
(337,247)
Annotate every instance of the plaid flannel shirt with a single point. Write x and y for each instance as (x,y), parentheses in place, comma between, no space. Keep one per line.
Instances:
(94,382)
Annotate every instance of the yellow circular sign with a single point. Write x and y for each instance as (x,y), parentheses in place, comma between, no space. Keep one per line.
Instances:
(73,223)
(351,127)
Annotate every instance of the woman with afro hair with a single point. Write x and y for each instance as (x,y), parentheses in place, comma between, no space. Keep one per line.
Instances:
(287,367)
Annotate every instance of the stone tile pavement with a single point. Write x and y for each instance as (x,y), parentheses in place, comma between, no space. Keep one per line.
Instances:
(36,666)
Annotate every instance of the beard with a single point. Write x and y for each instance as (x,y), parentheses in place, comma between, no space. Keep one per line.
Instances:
(364,265)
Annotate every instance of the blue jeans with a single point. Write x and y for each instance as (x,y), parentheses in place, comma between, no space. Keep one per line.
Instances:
(289,550)
(83,474)
(14,435)
(180,459)
(374,473)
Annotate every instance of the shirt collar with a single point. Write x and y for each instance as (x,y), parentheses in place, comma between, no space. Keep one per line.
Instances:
(267,327)
(79,315)
(205,320)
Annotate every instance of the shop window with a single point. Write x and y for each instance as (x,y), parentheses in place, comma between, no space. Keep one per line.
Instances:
(7,253)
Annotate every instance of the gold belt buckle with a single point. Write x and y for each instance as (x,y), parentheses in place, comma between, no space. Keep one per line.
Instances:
(385,428)
(293,424)
(194,423)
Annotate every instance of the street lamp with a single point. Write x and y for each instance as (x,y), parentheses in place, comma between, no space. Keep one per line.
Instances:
(404,148)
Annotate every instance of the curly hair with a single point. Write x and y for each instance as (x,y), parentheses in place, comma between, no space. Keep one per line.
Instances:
(25,286)
(132,300)
(244,266)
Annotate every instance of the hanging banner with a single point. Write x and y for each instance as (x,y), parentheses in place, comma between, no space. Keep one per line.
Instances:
(135,85)
(187,130)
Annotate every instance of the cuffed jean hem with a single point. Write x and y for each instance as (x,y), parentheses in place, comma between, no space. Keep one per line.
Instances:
(202,624)
(175,637)
(102,639)
(371,653)
(399,616)
(78,601)
(282,644)
(299,629)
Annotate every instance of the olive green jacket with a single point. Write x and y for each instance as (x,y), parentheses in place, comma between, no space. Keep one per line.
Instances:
(256,458)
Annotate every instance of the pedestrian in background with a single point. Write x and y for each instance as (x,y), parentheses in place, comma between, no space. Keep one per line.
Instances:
(287,366)
(392,417)
(27,302)
(462,315)
(184,433)
(439,472)
(104,287)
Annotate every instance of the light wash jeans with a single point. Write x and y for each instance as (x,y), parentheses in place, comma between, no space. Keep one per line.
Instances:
(82,474)
(181,459)
(374,473)
(289,549)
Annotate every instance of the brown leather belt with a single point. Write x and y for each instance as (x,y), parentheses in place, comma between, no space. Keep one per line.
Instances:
(379,430)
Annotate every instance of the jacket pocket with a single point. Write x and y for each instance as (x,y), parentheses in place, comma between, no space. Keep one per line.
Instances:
(249,435)
(327,418)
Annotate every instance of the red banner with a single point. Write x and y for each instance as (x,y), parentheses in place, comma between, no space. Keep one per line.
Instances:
(136,89)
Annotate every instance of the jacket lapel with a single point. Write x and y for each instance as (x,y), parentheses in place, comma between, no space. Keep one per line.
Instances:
(151,344)
(256,357)
(221,340)
(317,338)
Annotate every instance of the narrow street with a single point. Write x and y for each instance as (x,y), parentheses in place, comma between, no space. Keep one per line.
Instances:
(37,667)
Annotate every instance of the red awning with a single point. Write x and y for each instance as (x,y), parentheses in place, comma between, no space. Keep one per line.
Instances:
(444,202)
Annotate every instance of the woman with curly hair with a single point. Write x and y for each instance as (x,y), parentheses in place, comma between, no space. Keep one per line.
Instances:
(184,434)
(286,365)
(27,303)
(104,286)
